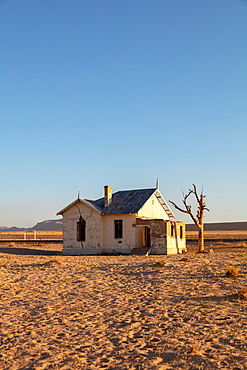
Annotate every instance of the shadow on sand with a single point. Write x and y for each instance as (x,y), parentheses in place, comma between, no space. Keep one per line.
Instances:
(30,251)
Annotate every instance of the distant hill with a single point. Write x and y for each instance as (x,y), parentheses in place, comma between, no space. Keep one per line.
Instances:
(54,225)
(49,225)
(219,226)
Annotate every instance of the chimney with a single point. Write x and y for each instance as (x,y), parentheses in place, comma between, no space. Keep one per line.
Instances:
(108,195)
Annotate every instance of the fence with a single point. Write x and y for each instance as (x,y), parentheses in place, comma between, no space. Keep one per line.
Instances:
(32,235)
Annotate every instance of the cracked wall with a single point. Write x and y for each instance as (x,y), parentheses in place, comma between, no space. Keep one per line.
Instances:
(93,227)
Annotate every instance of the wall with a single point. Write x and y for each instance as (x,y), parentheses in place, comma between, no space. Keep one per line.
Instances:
(159,237)
(153,209)
(157,234)
(162,242)
(93,227)
(100,232)
(175,244)
(127,243)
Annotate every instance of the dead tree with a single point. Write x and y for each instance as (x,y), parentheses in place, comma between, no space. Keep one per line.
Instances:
(199,218)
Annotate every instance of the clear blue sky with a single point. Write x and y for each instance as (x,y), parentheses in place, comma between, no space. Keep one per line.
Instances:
(121,92)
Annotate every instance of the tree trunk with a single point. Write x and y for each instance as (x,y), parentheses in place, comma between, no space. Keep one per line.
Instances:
(198,219)
(201,238)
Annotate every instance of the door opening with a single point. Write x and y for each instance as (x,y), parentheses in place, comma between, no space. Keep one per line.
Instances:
(146,240)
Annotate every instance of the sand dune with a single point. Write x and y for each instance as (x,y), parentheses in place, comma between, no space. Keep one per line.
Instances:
(122,312)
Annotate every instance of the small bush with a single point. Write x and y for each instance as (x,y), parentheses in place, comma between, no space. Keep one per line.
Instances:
(242,245)
(242,293)
(232,272)
(12,244)
(193,349)
(160,263)
(55,262)
(185,259)
(157,271)
(221,243)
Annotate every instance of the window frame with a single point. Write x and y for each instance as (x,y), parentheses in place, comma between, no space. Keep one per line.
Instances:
(81,230)
(172,232)
(181,231)
(118,229)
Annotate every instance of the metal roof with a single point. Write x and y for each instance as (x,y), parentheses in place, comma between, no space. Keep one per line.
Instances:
(123,202)
(126,201)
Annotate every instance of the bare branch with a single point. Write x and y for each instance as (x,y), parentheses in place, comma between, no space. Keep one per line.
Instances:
(194,218)
(187,195)
(180,209)
(195,192)
(188,211)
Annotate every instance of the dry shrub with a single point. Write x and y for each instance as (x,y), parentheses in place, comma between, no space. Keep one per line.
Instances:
(185,259)
(221,242)
(157,271)
(233,272)
(242,293)
(242,245)
(55,262)
(160,263)
(12,244)
(193,349)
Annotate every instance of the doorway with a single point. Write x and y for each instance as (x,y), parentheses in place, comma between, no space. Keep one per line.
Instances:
(146,239)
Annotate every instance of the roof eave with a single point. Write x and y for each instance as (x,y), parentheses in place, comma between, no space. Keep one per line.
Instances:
(164,204)
(78,200)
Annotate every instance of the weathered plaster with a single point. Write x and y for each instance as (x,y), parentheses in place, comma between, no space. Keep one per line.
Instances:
(160,236)
(93,227)
(175,244)
(127,243)
(153,209)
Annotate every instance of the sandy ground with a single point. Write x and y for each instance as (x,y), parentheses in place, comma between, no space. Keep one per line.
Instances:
(121,312)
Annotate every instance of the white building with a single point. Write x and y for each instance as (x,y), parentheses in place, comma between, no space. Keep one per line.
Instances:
(122,222)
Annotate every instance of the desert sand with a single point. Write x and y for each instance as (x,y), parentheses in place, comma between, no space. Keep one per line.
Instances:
(121,312)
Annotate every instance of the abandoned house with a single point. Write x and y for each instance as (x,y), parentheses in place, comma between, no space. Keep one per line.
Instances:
(122,222)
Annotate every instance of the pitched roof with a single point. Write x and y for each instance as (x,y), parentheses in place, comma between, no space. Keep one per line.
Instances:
(126,201)
(123,202)
(79,200)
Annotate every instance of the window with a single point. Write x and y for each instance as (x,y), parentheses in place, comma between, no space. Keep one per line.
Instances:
(172,229)
(81,230)
(181,232)
(118,225)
